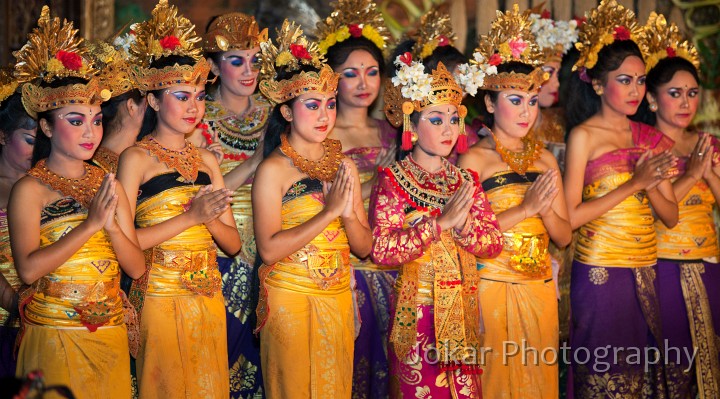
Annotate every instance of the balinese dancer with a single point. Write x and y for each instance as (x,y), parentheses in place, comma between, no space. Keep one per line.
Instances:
(182,211)
(615,170)
(524,187)
(235,121)
(354,39)
(688,270)
(433,219)
(124,112)
(308,215)
(17,139)
(71,228)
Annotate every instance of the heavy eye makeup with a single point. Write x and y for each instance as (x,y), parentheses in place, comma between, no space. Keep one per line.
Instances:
(185,95)
(314,103)
(29,138)
(77,119)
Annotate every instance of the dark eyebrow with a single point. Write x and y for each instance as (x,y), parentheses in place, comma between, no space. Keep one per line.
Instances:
(180,91)
(75,113)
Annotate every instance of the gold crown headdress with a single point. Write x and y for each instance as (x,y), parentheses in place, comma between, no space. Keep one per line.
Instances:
(662,40)
(510,40)
(554,38)
(114,68)
(166,34)
(353,18)
(608,22)
(435,30)
(293,51)
(8,83)
(234,31)
(413,90)
(55,51)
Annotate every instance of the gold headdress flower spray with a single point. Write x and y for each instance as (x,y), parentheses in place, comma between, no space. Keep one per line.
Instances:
(434,30)
(510,40)
(166,34)
(8,83)
(661,39)
(353,18)
(605,24)
(55,51)
(290,52)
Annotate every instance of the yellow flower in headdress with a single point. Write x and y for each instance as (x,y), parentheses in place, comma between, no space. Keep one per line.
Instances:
(352,18)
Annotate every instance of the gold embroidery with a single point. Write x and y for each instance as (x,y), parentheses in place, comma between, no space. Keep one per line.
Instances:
(598,275)
(83,190)
(106,160)
(323,169)
(707,366)
(186,161)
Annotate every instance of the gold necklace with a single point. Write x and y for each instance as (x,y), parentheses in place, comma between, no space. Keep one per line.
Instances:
(83,189)
(186,161)
(519,162)
(323,169)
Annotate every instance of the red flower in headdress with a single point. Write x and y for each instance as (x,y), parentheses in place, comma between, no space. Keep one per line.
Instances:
(443,41)
(71,61)
(580,20)
(300,52)
(670,52)
(355,30)
(621,33)
(545,14)
(169,42)
(406,58)
(495,60)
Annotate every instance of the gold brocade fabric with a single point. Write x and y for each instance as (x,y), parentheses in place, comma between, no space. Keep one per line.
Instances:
(624,236)
(185,264)
(525,254)
(551,127)
(323,265)
(306,311)
(85,290)
(7,267)
(694,237)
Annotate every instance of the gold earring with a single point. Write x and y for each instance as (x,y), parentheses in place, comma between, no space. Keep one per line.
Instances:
(599,90)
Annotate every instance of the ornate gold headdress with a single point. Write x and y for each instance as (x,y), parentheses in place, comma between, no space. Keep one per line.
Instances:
(510,39)
(8,83)
(114,68)
(353,18)
(661,40)
(554,38)
(234,31)
(292,51)
(608,22)
(435,30)
(413,90)
(55,51)
(165,34)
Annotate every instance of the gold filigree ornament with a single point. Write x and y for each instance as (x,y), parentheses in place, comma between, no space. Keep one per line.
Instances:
(661,39)
(511,40)
(353,18)
(291,51)
(608,22)
(114,68)
(166,34)
(413,90)
(55,51)
(8,83)
(233,31)
(434,30)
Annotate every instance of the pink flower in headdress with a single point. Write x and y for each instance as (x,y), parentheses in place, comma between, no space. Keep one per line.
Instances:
(406,58)
(300,52)
(495,60)
(621,33)
(70,60)
(517,47)
(169,42)
(443,41)
(355,30)
(670,52)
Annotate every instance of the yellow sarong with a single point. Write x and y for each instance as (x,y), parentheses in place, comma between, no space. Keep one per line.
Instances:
(306,312)
(519,303)
(74,329)
(183,347)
